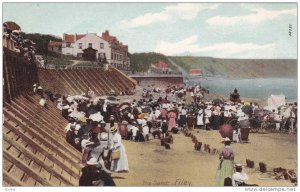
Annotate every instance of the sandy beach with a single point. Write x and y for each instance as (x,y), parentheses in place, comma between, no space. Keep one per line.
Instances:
(152,165)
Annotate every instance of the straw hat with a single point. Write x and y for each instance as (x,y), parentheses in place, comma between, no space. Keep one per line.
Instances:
(113,129)
(226,139)
(238,165)
(89,143)
(92,161)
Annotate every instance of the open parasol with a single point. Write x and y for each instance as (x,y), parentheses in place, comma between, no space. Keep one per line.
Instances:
(217,101)
(247,109)
(12,26)
(226,130)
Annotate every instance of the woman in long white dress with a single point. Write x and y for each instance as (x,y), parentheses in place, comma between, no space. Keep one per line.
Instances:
(200,122)
(121,164)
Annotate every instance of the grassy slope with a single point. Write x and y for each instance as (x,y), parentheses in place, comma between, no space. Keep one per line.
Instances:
(240,68)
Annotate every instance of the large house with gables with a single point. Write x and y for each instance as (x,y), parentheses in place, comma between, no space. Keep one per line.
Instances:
(106,49)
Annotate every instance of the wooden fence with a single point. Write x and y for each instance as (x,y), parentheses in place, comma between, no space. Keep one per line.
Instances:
(19,75)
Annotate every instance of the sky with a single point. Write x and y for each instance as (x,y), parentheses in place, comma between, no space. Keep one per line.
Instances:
(222,30)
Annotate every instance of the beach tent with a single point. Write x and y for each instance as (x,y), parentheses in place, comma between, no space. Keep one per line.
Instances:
(276,100)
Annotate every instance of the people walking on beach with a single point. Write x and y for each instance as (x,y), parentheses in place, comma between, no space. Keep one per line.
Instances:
(172,119)
(182,117)
(225,168)
(119,157)
(216,117)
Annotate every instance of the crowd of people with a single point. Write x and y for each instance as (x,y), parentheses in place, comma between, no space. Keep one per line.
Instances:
(24,46)
(94,124)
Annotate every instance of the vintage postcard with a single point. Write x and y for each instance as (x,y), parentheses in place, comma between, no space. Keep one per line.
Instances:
(132,94)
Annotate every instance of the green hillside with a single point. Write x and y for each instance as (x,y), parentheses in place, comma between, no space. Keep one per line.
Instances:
(240,68)
(141,62)
(41,41)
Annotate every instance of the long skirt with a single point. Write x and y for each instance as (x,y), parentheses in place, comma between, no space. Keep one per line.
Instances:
(200,120)
(226,170)
(182,120)
(215,122)
(172,123)
(120,164)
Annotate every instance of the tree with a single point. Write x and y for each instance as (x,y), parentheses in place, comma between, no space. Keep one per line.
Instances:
(41,41)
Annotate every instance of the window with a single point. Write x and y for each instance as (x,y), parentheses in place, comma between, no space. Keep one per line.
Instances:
(80,46)
(101,45)
(68,44)
(90,45)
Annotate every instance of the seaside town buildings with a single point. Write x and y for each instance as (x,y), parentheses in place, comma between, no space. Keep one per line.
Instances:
(106,49)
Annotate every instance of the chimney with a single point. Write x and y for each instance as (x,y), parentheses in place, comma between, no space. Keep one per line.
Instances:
(75,37)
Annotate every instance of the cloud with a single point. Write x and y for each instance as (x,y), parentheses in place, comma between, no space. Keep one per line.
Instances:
(258,15)
(186,45)
(184,11)
(223,50)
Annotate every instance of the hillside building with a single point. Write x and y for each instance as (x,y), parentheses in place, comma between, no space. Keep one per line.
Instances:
(106,49)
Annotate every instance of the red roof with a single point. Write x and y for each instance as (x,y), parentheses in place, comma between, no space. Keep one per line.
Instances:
(71,38)
(54,43)
(113,40)
(161,65)
(195,72)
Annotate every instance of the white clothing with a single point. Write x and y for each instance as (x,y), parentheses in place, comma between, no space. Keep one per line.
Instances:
(66,107)
(96,117)
(207,115)
(83,142)
(145,130)
(183,112)
(43,102)
(200,117)
(105,106)
(70,99)
(59,106)
(131,116)
(96,152)
(287,113)
(141,121)
(68,126)
(134,130)
(157,113)
(152,117)
(236,136)
(243,118)
(227,114)
(239,177)
(120,164)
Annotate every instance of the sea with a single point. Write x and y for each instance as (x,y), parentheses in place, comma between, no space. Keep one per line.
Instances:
(260,88)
